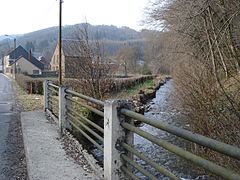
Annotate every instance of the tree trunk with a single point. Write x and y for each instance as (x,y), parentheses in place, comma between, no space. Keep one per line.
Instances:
(230,38)
(211,49)
(217,43)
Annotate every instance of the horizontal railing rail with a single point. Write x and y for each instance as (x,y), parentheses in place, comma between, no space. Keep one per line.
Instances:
(52,89)
(86,135)
(72,103)
(129,173)
(53,85)
(100,113)
(223,148)
(53,100)
(138,167)
(92,131)
(112,132)
(158,167)
(87,98)
(86,127)
(86,120)
(208,165)
(220,147)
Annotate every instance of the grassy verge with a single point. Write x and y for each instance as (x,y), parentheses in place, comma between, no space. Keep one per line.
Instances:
(27,102)
(128,93)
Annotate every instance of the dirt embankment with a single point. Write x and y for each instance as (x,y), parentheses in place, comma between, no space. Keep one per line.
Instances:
(145,95)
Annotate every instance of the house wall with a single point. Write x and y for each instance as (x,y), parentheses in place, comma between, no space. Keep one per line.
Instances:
(1,65)
(55,61)
(72,70)
(26,67)
(6,67)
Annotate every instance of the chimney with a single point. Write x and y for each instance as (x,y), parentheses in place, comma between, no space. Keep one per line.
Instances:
(30,55)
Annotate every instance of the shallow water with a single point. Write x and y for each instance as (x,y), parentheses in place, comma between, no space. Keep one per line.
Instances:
(164,108)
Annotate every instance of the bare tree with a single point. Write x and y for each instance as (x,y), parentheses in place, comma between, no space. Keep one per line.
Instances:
(127,58)
(204,46)
(88,64)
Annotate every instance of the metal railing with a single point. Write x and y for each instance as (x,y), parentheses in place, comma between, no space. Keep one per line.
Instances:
(112,133)
(69,109)
(53,100)
(220,147)
(83,124)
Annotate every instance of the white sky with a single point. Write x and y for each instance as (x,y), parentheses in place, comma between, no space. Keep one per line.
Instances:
(23,16)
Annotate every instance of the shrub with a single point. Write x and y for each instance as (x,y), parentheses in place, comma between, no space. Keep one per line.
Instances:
(107,85)
(29,84)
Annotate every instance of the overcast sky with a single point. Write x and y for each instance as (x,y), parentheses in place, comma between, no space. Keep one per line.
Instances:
(23,16)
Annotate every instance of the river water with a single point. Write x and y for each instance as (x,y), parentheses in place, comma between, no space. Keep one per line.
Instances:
(164,108)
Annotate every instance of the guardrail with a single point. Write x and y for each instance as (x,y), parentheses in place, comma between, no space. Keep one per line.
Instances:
(51,102)
(89,129)
(115,137)
(220,147)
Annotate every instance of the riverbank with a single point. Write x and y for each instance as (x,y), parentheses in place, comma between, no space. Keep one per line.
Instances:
(164,108)
(148,94)
(139,94)
(142,94)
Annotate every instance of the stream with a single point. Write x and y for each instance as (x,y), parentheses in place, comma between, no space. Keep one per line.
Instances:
(163,108)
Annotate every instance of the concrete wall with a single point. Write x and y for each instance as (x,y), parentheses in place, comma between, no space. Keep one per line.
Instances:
(26,67)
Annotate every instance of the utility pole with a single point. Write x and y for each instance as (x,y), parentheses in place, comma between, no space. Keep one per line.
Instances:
(60,43)
(15,68)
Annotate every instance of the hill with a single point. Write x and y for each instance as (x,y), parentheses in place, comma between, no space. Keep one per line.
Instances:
(44,41)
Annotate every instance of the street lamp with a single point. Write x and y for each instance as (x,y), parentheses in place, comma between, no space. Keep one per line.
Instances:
(15,44)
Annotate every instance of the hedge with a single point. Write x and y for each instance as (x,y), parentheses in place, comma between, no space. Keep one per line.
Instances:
(116,85)
(25,82)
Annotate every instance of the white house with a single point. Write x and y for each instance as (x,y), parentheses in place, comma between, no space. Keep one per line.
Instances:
(21,61)
(25,66)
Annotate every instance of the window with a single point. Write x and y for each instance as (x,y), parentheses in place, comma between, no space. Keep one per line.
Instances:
(35,71)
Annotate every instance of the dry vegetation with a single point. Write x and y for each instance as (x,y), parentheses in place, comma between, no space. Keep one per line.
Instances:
(128,93)
(124,88)
(202,49)
(88,65)
(27,102)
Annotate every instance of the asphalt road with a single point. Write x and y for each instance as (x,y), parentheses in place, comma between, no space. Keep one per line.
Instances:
(12,158)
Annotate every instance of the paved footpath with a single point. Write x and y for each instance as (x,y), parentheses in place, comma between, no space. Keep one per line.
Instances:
(46,158)
(12,161)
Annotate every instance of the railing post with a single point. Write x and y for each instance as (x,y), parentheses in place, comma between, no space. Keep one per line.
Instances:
(46,94)
(114,135)
(62,108)
(68,105)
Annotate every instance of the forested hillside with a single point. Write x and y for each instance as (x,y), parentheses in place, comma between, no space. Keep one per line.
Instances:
(44,41)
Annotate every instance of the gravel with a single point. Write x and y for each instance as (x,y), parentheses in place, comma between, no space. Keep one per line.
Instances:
(15,153)
(75,150)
